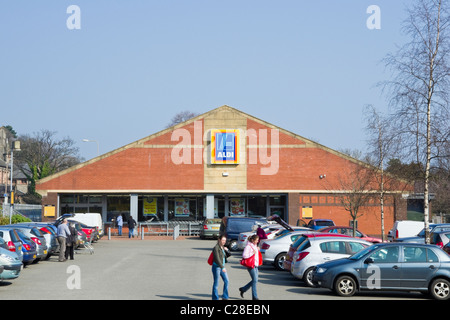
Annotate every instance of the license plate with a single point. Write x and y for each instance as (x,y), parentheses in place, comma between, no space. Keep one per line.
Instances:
(215,228)
(34,256)
(45,251)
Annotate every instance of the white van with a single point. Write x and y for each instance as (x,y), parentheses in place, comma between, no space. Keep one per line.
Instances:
(91,220)
(405,228)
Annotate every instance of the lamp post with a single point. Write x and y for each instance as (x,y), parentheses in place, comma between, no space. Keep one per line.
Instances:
(14,147)
(98,146)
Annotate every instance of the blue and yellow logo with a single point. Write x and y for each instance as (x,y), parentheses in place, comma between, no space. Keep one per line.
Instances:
(225,146)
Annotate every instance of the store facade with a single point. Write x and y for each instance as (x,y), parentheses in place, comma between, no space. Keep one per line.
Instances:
(221,163)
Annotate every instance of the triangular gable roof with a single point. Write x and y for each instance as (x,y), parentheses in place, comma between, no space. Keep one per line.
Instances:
(308,142)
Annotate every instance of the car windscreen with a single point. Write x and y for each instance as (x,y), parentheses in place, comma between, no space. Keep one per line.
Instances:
(324,223)
(238,226)
(363,252)
(23,236)
(36,232)
(304,245)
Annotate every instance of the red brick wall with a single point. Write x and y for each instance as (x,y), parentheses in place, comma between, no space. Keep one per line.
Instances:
(131,169)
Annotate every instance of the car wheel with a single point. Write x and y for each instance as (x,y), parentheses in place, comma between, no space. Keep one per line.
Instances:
(279,259)
(345,286)
(307,277)
(440,289)
(233,246)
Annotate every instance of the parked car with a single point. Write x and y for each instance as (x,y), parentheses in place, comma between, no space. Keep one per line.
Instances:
(37,237)
(279,233)
(349,232)
(317,224)
(446,248)
(49,233)
(405,228)
(12,240)
(29,248)
(269,229)
(316,250)
(90,232)
(90,219)
(440,238)
(210,228)
(274,250)
(396,266)
(294,246)
(10,264)
(81,235)
(233,226)
(420,237)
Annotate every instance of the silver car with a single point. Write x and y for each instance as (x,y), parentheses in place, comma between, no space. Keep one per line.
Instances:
(420,238)
(12,240)
(38,238)
(10,263)
(274,250)
(315,251)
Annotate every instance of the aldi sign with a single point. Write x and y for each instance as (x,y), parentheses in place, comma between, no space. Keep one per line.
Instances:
(225,146)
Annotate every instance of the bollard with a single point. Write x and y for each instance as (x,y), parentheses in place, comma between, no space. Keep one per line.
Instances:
(109,233)
(176,232)
(142,233)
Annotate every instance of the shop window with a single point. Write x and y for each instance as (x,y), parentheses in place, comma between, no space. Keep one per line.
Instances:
(117,205)
(257,206)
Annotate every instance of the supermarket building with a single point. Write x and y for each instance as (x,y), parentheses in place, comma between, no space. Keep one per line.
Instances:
(221,163)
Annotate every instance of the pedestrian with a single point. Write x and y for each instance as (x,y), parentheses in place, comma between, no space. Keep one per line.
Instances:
(63,233)
(71,241)
(251,250)
(120,224)
(220,255)
(131,225)
(261,233)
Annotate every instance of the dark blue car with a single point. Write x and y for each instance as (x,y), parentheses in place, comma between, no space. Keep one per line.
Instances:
(29,248)
(389,266)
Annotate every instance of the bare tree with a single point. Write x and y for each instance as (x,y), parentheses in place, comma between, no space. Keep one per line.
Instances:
(181,117)
(382,145)
(356,192)
(42,155)
(419,86)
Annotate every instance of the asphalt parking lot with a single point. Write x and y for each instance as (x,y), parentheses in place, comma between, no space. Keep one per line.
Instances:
(156,270)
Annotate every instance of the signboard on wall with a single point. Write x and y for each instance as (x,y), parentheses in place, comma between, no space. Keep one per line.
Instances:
(225,146)
(237,207)
(307,212)
(182,207)
(150,206)
(49,211)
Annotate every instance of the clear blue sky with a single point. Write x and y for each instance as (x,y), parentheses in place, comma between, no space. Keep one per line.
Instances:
(306,66)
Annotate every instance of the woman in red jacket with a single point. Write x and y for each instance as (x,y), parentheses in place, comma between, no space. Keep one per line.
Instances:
(251,249)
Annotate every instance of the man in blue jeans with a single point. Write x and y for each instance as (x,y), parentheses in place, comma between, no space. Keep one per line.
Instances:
(120,224)
(131,225)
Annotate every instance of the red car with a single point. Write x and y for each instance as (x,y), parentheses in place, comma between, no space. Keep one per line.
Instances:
(349,232)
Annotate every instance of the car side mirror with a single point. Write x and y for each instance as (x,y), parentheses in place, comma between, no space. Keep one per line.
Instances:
(368,261)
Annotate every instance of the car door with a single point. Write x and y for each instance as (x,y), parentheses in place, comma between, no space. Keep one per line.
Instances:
(332,250)
(381,269)
(419,264)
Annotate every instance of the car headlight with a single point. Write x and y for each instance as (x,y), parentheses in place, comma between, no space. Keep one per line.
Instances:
(6,257)
(321,270)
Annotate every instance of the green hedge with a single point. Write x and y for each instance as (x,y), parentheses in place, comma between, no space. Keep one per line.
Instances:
(16,218)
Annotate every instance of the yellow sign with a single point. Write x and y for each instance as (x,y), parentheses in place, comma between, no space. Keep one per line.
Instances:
(307,212)
(49,211)
(150,206)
